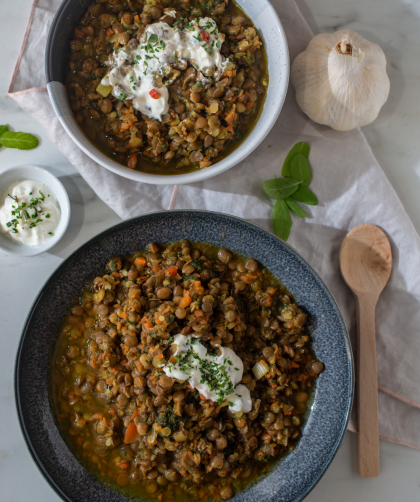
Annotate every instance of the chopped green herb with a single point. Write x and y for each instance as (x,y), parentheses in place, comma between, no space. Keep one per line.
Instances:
(152,39)
(197,265)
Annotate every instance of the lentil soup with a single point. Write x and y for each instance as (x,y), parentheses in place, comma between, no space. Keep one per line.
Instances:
(166,87)
(182,373)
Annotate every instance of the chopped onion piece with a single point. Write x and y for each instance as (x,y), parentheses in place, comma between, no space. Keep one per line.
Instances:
(260,369)
(104,90)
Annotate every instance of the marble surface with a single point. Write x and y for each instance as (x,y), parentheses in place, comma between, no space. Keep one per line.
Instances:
(394,138)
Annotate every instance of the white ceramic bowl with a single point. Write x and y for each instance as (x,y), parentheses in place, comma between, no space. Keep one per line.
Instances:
(13,174)
(268,23)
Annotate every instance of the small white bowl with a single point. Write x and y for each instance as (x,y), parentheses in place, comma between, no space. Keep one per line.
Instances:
(13,174)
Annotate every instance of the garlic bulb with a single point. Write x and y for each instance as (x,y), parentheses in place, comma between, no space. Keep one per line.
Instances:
(340,80)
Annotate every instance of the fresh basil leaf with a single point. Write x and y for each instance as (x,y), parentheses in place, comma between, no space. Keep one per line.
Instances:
(304,195)
(282,220)
(280,188)
(302,148)
(3,129)
(295,208)
(19,140)
(300,169)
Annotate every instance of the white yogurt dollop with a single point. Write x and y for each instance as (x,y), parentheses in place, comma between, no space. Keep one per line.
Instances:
(137,72)
(215,377)
(29,212)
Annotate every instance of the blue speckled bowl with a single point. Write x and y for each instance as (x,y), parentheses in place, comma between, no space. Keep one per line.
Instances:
(294,476)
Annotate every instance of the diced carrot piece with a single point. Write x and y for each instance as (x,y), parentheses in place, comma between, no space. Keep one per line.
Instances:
(130,435)
(124,126)
(172,270)
(250,104)
(140,261)
(185,302)
(135,414)
(123,465)
(132,161)
(109,32)
(231,117)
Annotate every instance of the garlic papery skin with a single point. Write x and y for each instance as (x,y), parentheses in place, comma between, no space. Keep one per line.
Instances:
(341,80)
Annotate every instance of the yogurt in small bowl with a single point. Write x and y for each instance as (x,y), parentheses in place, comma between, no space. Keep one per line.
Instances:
(34,210)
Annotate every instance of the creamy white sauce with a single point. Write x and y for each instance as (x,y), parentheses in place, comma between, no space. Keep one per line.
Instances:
(215,377)
(36,212)
(137,71)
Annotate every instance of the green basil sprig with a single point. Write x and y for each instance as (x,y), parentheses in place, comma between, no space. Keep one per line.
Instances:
(19,140)
(293,187)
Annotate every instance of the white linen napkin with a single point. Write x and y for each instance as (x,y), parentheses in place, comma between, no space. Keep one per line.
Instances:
(350,185)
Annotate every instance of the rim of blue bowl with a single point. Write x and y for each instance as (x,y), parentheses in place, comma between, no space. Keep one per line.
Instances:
(25,434)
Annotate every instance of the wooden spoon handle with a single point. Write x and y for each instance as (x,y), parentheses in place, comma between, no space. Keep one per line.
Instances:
(367,388)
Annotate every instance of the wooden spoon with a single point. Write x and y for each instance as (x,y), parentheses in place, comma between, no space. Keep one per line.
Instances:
(366,263)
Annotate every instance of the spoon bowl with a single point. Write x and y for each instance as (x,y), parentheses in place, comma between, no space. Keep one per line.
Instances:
(366,259)
(366,263)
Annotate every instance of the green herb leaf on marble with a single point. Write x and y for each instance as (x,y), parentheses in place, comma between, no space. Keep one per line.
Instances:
(19,140)
(304,195)
(280,188)
(300,170)
(302,148)
(282,221)
(295,208)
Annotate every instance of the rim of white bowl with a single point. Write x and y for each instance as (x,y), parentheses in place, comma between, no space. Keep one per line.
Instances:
(44,176)
(61,107)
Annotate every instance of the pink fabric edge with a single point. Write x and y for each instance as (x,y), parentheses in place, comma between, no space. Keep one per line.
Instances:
(390,440)
(19,58)
(173,197)
(401,398)
(27,91)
